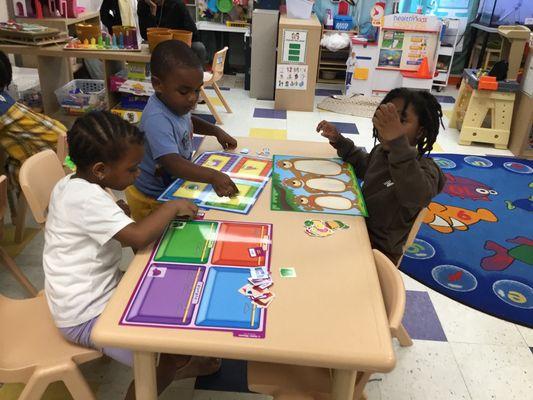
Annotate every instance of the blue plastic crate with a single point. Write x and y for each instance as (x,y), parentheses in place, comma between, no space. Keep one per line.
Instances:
(342,22)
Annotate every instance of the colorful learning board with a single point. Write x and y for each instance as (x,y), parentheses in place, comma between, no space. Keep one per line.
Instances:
(193,278)
(319,185)
(250,175)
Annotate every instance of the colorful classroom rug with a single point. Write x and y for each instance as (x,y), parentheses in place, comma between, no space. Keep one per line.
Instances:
(476,243)
(352,105)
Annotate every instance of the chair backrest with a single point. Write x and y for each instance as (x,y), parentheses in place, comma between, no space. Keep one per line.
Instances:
(217,68)
(392,288)
(3,196)
(38,176)
(30,339)
(3,203)
(413,232)
(62,147)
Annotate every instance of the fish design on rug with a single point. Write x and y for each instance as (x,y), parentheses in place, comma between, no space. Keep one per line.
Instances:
(524,204)
(503,257)
(466,188)
(447,219)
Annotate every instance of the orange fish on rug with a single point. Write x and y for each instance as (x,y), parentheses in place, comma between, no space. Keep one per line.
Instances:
(446,219)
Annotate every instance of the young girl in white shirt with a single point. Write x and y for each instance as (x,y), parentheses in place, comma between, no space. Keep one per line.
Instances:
(85,230)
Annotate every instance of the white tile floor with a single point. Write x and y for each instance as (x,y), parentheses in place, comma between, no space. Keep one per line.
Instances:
(484,357)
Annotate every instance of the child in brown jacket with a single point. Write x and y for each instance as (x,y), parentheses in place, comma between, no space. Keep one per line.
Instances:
(399,180)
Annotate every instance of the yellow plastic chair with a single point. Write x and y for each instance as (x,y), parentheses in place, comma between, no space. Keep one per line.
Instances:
(38,176)
(62,147)
(5,258)
(413,232)
(211,78)
(22,206)
(34,352)
(288,382)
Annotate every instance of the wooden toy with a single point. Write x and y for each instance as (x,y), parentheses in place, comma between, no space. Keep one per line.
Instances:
(484,108)
(121,40)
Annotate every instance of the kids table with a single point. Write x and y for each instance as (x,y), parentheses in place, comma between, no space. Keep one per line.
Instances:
(331,315)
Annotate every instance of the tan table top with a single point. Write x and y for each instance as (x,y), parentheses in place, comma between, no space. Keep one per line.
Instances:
(331,315)
(58,51)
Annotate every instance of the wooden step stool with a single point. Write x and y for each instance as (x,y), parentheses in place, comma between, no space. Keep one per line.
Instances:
(471,109)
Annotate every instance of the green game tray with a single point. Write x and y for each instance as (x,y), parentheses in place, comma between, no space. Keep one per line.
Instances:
(187,242)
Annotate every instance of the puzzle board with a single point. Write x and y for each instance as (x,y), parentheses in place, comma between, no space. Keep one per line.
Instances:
(193,276)
(250,175)
(317,185)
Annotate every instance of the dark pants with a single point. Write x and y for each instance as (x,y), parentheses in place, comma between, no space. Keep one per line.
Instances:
(199,49)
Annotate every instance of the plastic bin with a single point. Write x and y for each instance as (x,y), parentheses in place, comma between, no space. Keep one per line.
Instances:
(33,99)
(342,22)
(299,9)
(82,95)
(132,102)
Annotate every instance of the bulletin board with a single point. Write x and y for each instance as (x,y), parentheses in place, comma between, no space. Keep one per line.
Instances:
(406,39)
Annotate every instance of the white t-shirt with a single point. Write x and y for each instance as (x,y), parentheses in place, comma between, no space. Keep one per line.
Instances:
(81,258)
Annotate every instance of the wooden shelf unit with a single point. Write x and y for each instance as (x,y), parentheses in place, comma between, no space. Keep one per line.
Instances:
(445,52)
(53,65)
(333,60)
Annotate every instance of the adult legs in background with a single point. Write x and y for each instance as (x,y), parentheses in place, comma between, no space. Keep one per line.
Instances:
(199,49)
(95,67)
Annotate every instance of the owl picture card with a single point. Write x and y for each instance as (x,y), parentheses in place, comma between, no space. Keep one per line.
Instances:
(317,185)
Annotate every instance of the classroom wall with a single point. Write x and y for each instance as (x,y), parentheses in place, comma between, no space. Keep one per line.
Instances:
(3,11)
(360,12)
(90,5)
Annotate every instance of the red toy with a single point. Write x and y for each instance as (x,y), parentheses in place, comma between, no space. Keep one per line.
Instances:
(46,8)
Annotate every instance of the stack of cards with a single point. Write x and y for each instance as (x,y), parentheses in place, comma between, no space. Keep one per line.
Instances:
(318,228)
(258,289)
(264,153)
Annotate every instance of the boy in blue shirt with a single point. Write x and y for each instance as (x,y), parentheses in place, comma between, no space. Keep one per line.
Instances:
(168,125)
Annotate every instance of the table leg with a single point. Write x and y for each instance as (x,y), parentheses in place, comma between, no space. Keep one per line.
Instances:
(343,384)
(144,375)
(362,380)
(54,72)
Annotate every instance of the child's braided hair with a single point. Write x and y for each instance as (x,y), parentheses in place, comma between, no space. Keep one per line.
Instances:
(100,136)
(429,113)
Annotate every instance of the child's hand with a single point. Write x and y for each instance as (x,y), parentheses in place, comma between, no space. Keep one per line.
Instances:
(223,184)
(387,122)
(125,207)
(329,131)
(185,208)
(227,142)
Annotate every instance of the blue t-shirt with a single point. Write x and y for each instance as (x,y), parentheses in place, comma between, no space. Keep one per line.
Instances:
(6,102)
(165,133)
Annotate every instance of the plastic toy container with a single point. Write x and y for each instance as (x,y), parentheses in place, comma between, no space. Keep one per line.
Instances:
(299,9)
(82,95)
(132,102)
(342,22)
